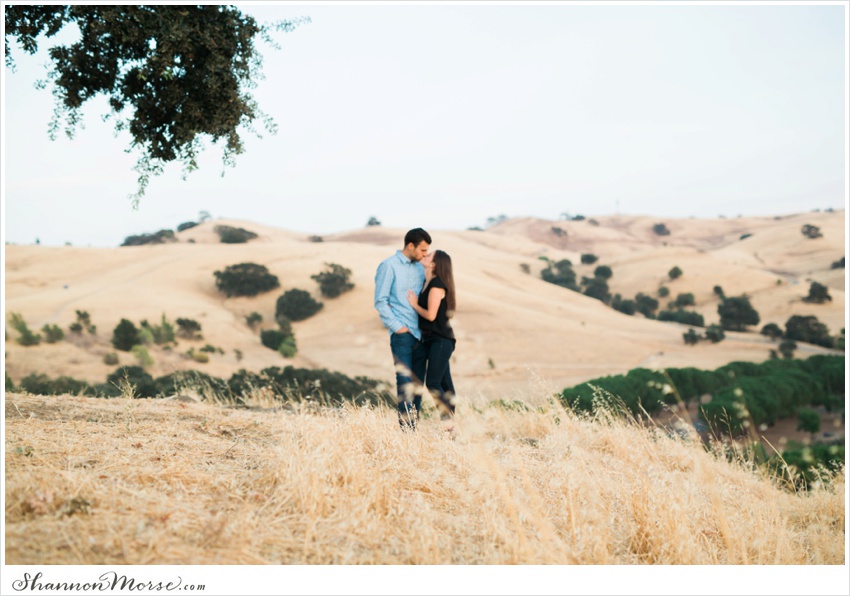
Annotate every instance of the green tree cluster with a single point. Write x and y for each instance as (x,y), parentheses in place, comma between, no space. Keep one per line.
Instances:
(334,280)
(245,279)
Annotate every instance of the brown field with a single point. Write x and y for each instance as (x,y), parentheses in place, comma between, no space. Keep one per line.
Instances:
(123,481)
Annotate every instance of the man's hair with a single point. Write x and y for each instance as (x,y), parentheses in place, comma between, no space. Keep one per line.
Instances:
(417,235)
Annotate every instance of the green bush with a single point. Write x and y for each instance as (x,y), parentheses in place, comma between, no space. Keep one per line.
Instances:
(714,334)
(27,337)
(334,280)
(231,235)
(125,336)
(808,329)
(661,229)
(686,299)
(685,317)
(691,337)
(772,330)
(83,322)
(245,279)
(805,463)
(627,306)
(808,420)
(818,294)
(142,356)
(287,347)
(560,274)
(663,292)
(674,273)
(159,237)
(142,382)
(158,334)
(588,259)
(272,338)
(736,313)
(41,384)
(597,288)
(646,305)
(186,226)
(603,271)
(53,333)
(188,328)
(110,359)
(10,384)
(254,320)
(296,305)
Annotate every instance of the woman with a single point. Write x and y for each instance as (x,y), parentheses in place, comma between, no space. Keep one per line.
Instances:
(435,305)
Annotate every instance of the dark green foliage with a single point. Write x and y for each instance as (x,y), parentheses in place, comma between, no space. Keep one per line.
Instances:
(597,288)
(27,337)
(686,317)
(663,292)
(188,328)
(661,229)
(10,384)
(125,336)
(772,330)
(373,221)
(560,274)
(296,305)
(714,334)
(177,382)
(683,300)
(744,236)
(718,291)
(316,239)
(588,259)
(321,386)
(142,382)
(691,337)
(804,463)
(41,384)
(818,294)
(808,420)
(787,347)
(810,231)
(110,359)
(334,280)
(839,264)
(626,306)
(646,305)
(173,75)
(160,334)
(736,313)
(808,329)
(675,273)
(231,235)
(186,226)
(83,322)
(254,320)
(603,271)
(632,393)
(288,348)
(52,333)
(160,237)
(272,338)
(245,279)
(559,231)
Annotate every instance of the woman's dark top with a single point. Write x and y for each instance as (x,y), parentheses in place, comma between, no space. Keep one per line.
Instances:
(440,325)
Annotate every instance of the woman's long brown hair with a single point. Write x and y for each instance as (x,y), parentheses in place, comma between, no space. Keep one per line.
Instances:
(443,270)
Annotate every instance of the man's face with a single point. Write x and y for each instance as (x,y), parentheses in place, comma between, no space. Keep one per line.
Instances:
(418,252)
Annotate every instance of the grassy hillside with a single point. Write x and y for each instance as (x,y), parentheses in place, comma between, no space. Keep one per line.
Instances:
(121,481)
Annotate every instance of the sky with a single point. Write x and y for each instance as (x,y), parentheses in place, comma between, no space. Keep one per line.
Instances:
(445,115)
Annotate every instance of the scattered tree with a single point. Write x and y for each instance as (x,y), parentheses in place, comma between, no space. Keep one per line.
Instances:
(714,334)
(818,294)
(736,313)
(160,237)
(674,273)
(245,279)
(810,231)
(560,274)
(691,337)
(125,336)
(786,348)
(334,280)
(588,259)
(661,229)
(373,221)
(27,337)
(231,235)
(808,420)
(772,330)
(809,330)
(52,333)
(646,305)
(296,305)
(603,272)
(683,300)
(839,264)
(254,320)
(186,226)
(188,329)
(663,292)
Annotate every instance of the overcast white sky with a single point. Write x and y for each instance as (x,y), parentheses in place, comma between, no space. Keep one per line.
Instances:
(441,116)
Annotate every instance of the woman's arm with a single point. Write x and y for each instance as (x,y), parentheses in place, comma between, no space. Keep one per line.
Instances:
(435,296)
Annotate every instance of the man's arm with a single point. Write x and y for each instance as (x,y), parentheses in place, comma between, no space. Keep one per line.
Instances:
(383,285)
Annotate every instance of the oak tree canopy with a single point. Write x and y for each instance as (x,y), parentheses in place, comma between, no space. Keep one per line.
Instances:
(174,75)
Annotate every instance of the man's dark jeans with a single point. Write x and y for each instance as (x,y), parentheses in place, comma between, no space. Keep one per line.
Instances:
(409,358)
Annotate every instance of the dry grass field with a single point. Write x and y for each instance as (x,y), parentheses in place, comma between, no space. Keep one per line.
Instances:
(127,481)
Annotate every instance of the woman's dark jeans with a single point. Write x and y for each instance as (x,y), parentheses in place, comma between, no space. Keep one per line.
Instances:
(438,378)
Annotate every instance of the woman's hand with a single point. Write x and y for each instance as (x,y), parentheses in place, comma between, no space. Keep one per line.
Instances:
(413,298)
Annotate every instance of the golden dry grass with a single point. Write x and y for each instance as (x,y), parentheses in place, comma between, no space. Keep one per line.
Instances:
(104,482)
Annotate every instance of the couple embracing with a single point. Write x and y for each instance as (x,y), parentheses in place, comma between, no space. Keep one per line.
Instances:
(415,298)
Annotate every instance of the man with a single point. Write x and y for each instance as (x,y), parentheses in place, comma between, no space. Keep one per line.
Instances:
(395,276)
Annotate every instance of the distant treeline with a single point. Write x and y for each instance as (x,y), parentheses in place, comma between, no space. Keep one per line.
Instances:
(284,384)
(732,397)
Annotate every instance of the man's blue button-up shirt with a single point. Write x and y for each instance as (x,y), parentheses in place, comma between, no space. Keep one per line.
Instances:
(396,275)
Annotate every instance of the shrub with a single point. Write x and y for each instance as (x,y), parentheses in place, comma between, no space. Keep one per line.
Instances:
(807,329)
(626,306)
(603,272)
(597,288)
(588,259)
(188,328)
(186,226)
(245,279)
(200,357)
(663,292)
(818,294)
(559,231)
(691,337)
(125,336)
(143,383)
(254,320)
(10,384)
(141,353)
(808,420)
(839,264)
(675,273)
(158,334)
(83,322)
(41,384)
(52,333)
(111,358)
(661,229)
(272,338)
(787,347)
(287,348)
(810,231)
(27,337)
(373,221)
(231,235)
(718,291)
(316,239)
(646,305)
(296,305)
(334,280)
